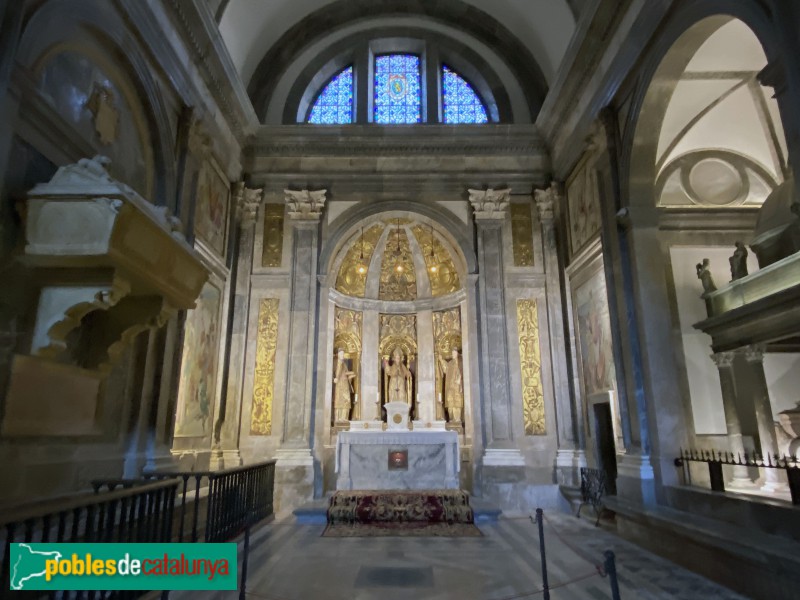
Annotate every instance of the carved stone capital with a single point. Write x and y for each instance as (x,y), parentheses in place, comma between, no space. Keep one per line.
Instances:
(546,201)
(305,205)
(754,353)
(490,204)
(723,359)
(247,202)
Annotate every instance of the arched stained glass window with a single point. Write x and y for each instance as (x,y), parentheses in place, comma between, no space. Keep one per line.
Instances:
(334,105)
(460,103)
(398,92)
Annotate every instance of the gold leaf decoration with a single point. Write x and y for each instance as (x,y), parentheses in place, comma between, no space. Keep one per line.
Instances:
(522,235)
(446,338)
(397,283)
(531,368)
(444,279)
(264,379)
(347,337)
(272,251)
(349,281)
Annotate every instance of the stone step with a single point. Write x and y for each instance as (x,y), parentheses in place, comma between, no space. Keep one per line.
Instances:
(572,495)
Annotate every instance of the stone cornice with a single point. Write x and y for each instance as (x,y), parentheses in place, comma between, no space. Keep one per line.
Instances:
(368,140)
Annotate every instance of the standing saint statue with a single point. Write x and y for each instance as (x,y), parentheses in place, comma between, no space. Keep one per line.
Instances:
(397,379)
(453,387)
(342,389)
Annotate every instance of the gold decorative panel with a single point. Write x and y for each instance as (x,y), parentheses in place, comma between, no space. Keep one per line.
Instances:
(272,250)
(347,337)
(522,235)
(531,368)
(264,381)
(398,331)
(349,281)
(398,278)
(446,338)
(441,270)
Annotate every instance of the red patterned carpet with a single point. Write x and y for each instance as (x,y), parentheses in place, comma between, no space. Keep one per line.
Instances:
(442,513)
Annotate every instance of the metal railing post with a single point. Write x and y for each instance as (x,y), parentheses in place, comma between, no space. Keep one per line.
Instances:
(540,525)
(611,570)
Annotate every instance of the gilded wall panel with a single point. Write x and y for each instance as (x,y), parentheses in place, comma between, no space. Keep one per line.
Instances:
(264,380)
(530,366)
(272,248)
(351,280)
(522,235)
(441,270)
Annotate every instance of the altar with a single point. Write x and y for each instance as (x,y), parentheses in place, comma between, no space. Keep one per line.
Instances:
(397,460)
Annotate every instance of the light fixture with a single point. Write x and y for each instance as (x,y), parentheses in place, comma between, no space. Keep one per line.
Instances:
(362,268)
(433,267)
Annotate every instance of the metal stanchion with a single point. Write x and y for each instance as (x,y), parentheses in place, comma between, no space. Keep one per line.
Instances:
(540,524)
(245,555)
(611,571)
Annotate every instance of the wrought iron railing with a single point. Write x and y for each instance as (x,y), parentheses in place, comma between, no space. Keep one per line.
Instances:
(716,459)
(143,513)
(214,506)
(594,487)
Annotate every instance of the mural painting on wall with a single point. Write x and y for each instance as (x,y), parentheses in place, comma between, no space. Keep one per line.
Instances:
(211,212)
(199,366)
(583,203)
(594,334)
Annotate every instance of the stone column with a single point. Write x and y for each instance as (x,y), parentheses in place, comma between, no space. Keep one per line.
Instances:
(490,211)
(426,369)
(295,475)
(568,458)
(754,355)
(228,430)
(370,370)
(727,381)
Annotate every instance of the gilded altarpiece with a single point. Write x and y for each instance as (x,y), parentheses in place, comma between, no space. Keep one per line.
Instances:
(352,279)
(347,337)
(272,248)
(446,338)
(264,378)
(398,332)
(531,367)
(522,234)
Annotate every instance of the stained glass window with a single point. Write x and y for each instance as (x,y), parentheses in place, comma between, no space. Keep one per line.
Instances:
(334,105)
(459,101)
(398,92)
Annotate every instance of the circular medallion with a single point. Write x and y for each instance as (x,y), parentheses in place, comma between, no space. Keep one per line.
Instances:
(397,419)
(398,86)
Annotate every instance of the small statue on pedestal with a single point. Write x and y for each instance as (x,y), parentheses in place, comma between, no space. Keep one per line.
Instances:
(704,275)
(453,387)
(738,262)
(343,389)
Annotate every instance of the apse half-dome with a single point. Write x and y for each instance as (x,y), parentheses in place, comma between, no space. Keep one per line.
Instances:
(396,260)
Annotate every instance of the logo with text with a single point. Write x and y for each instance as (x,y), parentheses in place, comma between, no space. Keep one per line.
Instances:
(58,567)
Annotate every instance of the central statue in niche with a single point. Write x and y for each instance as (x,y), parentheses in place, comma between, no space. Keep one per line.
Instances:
(397,379)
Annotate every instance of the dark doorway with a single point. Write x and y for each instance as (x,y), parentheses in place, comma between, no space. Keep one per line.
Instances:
(606,452)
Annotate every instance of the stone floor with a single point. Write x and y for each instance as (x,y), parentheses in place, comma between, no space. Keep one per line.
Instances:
(292,562)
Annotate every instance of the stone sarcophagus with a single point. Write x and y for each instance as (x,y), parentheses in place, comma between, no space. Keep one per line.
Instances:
(107,265)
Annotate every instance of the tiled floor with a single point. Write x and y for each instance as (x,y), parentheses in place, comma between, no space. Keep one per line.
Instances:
(292,562)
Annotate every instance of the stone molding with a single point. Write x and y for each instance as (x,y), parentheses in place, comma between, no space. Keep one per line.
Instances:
(490,204)
(305,205)
(498,457)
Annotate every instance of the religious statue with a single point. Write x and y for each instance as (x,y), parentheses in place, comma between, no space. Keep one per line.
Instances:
(704,275)
(453,387)
(397,379)
(738,262)
(343,388)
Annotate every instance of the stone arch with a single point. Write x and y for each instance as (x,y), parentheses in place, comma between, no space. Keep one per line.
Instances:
(61,21)
(682,36)
(327,23)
